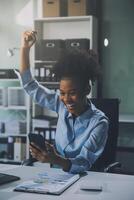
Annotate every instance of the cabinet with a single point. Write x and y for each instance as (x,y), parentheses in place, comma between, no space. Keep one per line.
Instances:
(14,121)
(126,130)
(68,27)
(125,149)
(62,28)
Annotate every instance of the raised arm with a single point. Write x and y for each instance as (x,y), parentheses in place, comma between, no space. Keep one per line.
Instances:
(28,38)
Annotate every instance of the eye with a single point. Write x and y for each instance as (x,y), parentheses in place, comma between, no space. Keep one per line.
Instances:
(72,93)
(62,93)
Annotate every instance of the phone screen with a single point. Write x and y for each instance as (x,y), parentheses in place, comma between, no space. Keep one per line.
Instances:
(37,139)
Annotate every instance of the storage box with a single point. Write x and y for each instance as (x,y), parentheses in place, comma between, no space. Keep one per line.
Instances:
(81,43)
(82,7)
(49,50)
(54,8)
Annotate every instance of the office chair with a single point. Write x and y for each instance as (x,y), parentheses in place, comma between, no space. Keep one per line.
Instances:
(106,162)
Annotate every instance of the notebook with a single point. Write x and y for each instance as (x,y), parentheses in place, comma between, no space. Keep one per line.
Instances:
(48,183)
(6,178)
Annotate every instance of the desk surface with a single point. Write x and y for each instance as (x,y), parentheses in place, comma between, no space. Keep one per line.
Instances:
(115,187)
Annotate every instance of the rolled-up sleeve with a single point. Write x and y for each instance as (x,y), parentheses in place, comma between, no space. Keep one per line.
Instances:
(92,148)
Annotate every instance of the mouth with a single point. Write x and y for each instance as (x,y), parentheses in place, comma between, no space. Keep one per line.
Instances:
(70,106)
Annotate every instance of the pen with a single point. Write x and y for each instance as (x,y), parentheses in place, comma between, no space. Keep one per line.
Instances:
(92,189)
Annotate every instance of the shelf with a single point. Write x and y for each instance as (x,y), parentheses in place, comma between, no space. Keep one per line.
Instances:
(9,79)
(5,135)
(124,118)
(64,19)
(50,85)
(13,108)
(8,161)
(15,117)
(59,28)
(125,149)
(43,61)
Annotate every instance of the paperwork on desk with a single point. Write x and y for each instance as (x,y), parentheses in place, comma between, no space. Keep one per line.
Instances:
(48,183)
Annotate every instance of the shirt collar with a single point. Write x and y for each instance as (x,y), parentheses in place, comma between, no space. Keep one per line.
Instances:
(84,117)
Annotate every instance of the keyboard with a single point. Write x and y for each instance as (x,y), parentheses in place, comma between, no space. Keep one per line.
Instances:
(6,178)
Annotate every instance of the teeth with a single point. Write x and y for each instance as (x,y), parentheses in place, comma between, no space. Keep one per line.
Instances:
(70,105)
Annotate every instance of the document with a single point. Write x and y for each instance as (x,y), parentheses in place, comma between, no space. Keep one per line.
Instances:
(48,183)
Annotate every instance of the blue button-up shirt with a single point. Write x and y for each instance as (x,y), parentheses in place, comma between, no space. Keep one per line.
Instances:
(82,141)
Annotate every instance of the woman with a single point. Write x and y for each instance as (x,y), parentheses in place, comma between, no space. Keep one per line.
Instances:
(81,129)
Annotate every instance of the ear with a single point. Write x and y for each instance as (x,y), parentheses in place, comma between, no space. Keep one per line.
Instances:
(87,89)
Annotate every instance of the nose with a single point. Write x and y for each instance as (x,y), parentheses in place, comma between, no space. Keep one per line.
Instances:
(66,98)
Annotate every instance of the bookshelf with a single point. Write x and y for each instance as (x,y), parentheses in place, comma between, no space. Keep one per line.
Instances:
(62,28)
(14,121)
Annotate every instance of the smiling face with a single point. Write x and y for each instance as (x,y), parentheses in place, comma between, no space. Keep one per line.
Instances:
(72,96)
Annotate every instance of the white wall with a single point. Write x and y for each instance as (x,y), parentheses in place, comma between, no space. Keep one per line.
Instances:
(15,16)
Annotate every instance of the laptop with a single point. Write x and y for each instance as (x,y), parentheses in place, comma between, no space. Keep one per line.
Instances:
(7,178)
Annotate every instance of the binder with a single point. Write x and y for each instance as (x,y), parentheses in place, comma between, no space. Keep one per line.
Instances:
(20,148)
(11,147)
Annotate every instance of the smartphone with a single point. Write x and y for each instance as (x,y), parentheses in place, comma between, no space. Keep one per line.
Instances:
(37,139)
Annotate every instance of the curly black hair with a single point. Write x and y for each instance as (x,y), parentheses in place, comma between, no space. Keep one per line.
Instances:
(77,63)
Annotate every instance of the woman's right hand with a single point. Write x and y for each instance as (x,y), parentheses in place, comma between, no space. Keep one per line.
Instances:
(28,38)
(47,156)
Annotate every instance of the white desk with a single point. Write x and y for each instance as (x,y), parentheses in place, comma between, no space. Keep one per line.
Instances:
(115,187)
